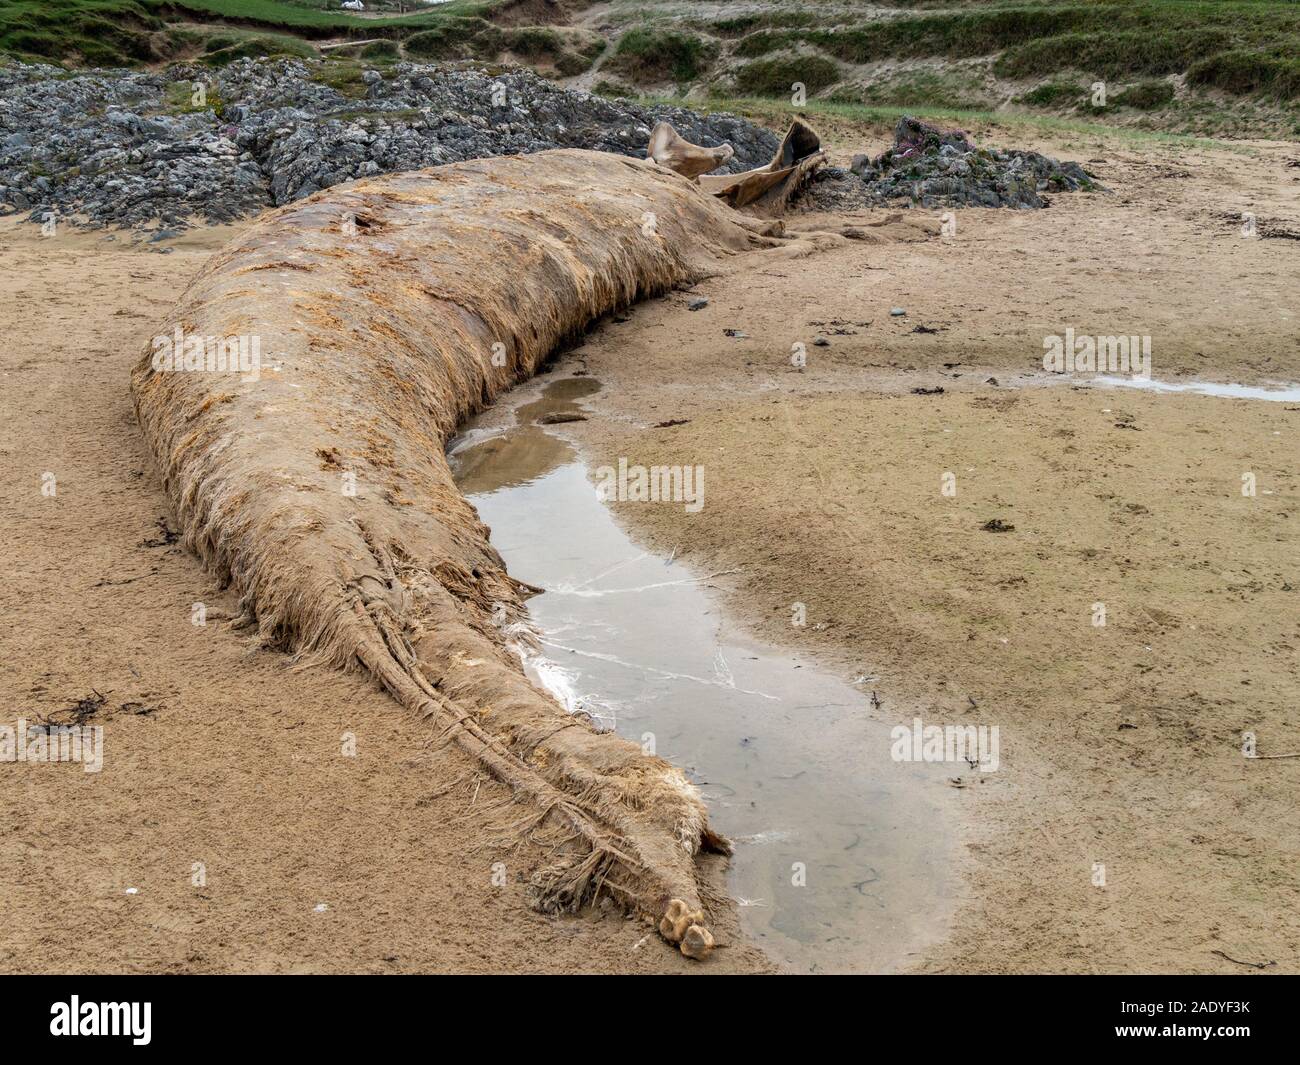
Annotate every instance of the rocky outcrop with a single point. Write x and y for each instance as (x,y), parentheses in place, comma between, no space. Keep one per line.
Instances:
(928,167)
(148,150)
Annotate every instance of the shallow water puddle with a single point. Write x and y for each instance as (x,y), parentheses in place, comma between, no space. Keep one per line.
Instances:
(1285,394)
(794,768)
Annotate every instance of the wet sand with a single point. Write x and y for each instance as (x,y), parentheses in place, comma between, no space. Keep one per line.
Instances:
(842,863)
(1124,831)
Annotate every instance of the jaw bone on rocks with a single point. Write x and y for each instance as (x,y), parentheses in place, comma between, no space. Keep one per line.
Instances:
(388,311)
(766,190)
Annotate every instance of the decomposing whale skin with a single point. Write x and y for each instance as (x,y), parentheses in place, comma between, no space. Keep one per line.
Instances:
(316,484)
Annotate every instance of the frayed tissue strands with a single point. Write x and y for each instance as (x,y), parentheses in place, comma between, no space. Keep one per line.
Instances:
(319,488)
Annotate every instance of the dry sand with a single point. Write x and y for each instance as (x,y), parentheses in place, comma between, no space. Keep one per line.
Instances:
(1120,745)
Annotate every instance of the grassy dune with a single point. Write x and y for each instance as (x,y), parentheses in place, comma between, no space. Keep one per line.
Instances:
(884,117)
(130,32)
(1230,66)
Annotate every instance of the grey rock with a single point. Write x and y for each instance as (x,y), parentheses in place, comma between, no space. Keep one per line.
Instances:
(927,167)
(103,144)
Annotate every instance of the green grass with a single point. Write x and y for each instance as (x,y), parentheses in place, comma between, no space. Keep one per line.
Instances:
(1054,94)
(344,77)
(966,33)
(132,32)
(1241,58)
(381,50)
(954,89)
(1146,96)
(98,31)
(614,89)
(740,25)
(1113,55)
(660,55)
(778,114)
(1242,72)
(535,41)
(1104,39)
(542,44)
(778,76)
(320,22)
(455,38)
(252,46)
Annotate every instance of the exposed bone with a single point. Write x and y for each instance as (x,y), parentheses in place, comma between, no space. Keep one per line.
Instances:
(669,148)
(765,189)
(677,919)
(697,943)
(769,189)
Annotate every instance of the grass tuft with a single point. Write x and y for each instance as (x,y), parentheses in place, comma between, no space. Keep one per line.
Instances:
(662,55)
(778,76)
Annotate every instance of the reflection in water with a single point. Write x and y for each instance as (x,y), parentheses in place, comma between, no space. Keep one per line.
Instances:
(525,452)
(841,859)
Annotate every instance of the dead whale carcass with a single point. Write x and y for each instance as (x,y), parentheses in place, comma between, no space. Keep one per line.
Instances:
(315,482)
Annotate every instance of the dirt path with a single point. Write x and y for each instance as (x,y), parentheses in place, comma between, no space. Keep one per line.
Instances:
(214,751)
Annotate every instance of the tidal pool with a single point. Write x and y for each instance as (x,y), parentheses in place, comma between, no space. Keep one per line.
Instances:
(842,859)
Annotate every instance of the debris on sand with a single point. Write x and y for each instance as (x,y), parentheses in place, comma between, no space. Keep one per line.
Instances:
(928,167)
(166,536)
(87,708)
